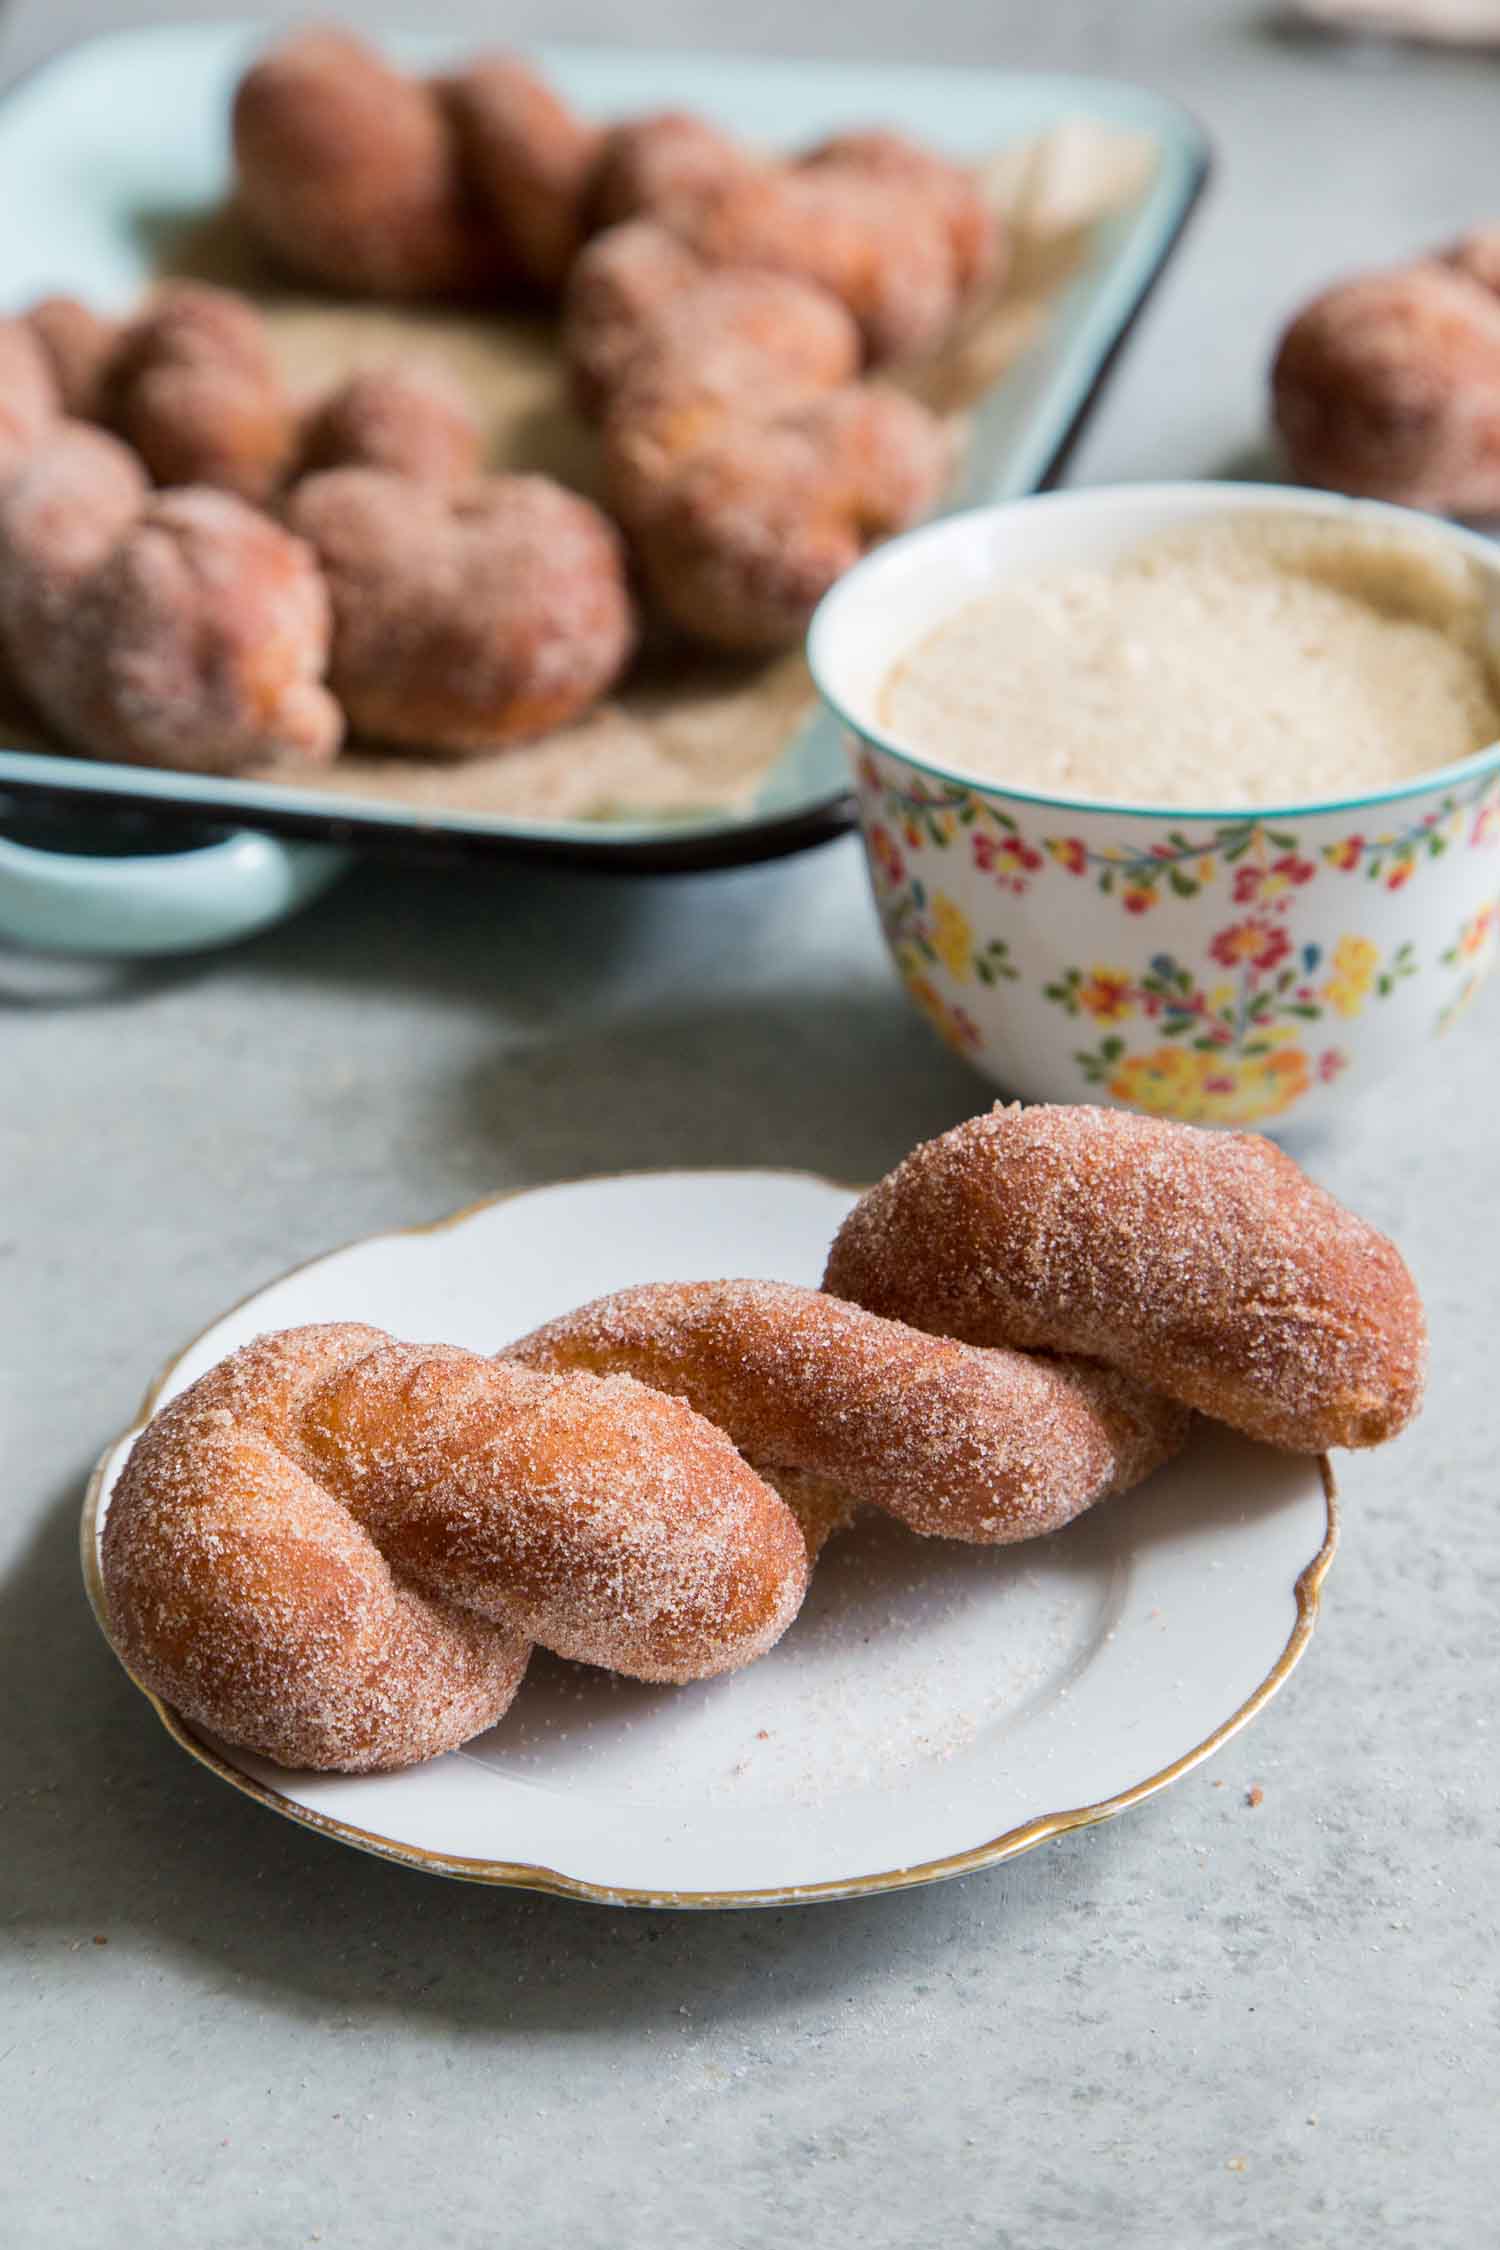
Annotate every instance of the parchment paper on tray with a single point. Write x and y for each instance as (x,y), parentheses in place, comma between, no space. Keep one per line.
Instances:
(687,733)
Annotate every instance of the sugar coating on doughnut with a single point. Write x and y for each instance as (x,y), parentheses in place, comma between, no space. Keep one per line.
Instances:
(1205,1264)
(30,400)
(470,619)
(336,1548)
(412,419)
(528,161)
(987,1446)
(192,384)
(347,174)
(240,1590)
(77,342)
(613,1523)
(200,642)
(1389,386)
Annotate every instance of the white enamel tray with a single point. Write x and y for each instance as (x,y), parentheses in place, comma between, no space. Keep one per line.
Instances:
(935,1708)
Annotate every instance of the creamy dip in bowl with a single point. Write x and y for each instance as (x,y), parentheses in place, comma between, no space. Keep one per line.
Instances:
(1180,796)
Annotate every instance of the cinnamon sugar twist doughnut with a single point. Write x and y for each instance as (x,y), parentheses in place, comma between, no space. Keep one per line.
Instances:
(985,1446)
(335,1548)
(1207,1265)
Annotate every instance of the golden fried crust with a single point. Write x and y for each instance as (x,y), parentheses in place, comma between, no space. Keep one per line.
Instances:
(469,619)
(192,384)
(412,420)
(527,160)
(78,343)
(1389,386)
(335,1548)
(741,525)
(348,174)
(30,400)
(1206,1265)
(987,1446)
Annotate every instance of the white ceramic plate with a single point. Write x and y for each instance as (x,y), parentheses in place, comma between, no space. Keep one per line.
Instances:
(935,1707)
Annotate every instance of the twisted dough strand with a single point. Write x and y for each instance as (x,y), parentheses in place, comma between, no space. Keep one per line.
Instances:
(988,1446)
(1205,1264)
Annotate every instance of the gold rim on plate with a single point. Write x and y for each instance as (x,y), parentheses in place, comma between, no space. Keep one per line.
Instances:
(525,1876)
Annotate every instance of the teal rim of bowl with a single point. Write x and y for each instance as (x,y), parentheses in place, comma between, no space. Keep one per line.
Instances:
(1305,501)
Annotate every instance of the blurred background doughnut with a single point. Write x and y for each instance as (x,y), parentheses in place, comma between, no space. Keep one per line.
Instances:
(527,161)
(470,619)
(348,175)
(193,385)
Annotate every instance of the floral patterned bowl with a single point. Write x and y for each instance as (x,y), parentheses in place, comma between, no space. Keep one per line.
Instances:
(1220,967)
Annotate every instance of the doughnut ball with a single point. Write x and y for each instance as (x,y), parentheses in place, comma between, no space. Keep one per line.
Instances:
(1389,387)
(466,620)
(617,284)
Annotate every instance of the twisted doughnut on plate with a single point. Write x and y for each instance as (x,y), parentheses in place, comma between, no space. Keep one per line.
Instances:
(466,619)
(192,384)
(739,533)
(348,175)
(179,628)
(1204,1264)
(413,420)
(335,1548)
(29,397)
(988,1446)
(78,343)
(1389,386)
(528,162)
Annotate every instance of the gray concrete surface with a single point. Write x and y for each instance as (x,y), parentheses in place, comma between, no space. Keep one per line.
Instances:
(1206,2024)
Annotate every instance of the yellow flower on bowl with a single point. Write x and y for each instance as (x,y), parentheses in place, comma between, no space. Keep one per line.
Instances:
(1204,1089)
(1355,961)
(952,938)
(1106,995)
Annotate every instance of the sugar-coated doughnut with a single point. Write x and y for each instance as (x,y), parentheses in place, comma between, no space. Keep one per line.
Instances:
(1207,1265)
(335,1548)
(528,161)
(470,618)
(193,385)
(78,342)
(988,1446)
(348,174)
